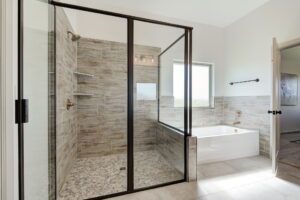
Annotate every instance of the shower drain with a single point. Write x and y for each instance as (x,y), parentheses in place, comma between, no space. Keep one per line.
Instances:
(122,168)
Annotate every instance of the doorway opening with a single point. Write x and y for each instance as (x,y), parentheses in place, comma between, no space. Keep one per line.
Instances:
(288,160)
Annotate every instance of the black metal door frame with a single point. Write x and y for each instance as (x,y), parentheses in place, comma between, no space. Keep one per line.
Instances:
(130,115)
(18,104)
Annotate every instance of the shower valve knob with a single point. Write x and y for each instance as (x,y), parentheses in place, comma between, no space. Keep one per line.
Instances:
(69,104)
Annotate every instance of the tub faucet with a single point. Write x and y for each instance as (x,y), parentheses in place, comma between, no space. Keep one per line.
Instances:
(238,114)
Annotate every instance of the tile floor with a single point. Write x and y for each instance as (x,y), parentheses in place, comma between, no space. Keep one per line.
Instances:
(290,149)
(98,176)
(240,179)
(289,157)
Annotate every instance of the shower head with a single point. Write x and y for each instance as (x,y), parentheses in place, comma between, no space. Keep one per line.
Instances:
(74,37)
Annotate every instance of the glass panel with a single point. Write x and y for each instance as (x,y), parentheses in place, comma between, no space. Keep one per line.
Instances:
(171,105)
(39,174)
(91,63)
(158,150)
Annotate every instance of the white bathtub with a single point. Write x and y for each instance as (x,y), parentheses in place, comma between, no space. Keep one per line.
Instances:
(220,143)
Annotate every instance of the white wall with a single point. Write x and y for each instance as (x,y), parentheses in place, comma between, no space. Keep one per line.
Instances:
(289,120)
(248,45)
(71,14)
(240,51)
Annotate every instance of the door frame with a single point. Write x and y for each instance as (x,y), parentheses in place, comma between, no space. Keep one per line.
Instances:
(275,136)
(289,44)
(8,81)
(130,112)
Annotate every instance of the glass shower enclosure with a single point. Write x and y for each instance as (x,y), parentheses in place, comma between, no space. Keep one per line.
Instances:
(102,111)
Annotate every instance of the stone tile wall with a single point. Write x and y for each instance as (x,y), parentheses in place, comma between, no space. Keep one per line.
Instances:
(201,116)
(170,144)
(145,111)
(52,117)
(102,118)
(66,122)
(253,115)
(192,158)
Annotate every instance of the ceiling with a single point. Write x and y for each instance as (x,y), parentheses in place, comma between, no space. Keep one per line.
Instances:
(219,13)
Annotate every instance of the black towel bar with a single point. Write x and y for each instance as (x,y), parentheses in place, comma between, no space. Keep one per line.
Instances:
(254,80)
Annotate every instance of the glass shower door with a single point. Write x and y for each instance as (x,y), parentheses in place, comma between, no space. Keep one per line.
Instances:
(158,144)
(36,83)
(92,75)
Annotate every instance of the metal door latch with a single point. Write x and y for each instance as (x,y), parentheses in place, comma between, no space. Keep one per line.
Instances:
(21,108)
(275,112)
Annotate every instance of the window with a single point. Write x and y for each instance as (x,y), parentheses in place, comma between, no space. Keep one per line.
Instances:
(201,84)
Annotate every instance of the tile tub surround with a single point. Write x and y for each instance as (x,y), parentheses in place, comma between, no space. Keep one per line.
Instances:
(174,116)
(98,176)
(253,115)
(66,122)
(102,118)
(170,144)
(192,158)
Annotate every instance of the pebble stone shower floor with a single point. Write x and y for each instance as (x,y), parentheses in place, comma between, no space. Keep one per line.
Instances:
(98,176)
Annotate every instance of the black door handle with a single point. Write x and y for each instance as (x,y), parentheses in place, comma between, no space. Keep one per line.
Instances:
(278,112)
(21,109)
(275,112)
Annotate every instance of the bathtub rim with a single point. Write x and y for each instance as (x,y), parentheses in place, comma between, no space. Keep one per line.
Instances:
(244,131)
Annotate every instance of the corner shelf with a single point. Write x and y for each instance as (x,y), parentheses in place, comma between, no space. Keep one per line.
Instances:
(83,74)
(83,94)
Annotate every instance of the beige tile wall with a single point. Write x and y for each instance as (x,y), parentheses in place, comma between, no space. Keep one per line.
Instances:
(253,115)
(102,118)
(66,122)
(145,111)
(170,144)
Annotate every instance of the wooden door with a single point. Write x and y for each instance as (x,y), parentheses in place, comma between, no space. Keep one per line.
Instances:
(275,105)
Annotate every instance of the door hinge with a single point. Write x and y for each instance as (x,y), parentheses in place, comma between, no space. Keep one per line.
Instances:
(21,107)
(275,112)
